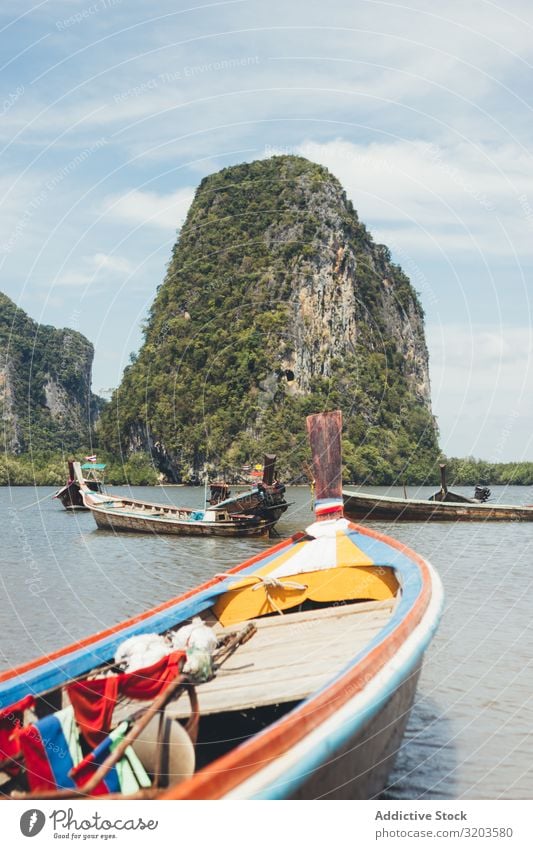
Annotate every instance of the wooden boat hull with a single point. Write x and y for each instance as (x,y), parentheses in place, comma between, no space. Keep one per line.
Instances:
(70,495)
(234,528)
(266,498)
(359,769)
(252,503)
(345,739)
(122,513)
(359,505)
(341,741)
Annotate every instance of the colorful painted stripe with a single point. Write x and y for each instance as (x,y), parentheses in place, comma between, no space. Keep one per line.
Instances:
(126,776)
(348,720)
(51,749)
(264,748)
(58,667)
(325,506)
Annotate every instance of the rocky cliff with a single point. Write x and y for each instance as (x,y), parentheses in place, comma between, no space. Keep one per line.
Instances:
(278,303)
(45,384)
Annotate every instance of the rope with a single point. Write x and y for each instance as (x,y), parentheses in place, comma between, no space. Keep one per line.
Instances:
(268,583)
(33,503)
(272,583)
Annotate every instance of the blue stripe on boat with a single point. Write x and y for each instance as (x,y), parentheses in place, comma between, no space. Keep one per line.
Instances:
(411,583)
(98,756)
(322,751)
(56,749)
(63,669)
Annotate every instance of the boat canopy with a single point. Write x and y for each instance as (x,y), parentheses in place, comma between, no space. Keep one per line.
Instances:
(98,466)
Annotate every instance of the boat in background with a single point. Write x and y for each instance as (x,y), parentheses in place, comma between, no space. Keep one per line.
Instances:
(312,703)
(443,506)
(93,479)
(265,499)
(481,493)
(122,513)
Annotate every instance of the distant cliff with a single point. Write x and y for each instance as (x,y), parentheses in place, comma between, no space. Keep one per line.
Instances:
(278,303)
(46,401)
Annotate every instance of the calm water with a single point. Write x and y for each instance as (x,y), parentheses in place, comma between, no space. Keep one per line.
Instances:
(471,731)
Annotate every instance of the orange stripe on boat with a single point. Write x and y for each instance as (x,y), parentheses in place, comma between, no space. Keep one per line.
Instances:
(238,765)
(94,638)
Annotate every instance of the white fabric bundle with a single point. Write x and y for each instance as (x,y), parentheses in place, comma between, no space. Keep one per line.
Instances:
(141,650)
(199,641)
(197,636)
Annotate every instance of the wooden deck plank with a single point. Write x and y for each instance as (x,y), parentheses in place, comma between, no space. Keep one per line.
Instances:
(313,646)
(316,648)
(309,646)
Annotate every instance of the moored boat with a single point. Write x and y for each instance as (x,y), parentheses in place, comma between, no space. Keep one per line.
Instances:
(122,513)
(443,506)
(69,495)
(305,704)
(265,499)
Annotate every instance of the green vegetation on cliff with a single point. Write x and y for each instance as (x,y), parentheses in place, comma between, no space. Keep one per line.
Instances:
(472,471)
(48,468)
(45,384)
(277,303)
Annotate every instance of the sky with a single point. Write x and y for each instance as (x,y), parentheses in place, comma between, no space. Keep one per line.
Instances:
(112,111)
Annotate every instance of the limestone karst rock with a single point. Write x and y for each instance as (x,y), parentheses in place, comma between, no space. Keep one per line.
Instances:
(278,303)
(46,401)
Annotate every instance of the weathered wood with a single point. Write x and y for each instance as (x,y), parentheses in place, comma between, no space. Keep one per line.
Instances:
(269,468)
(139,523)
(290,656)
(70,495)
(304,616)
(342,661)
(444,493)
(131,514)
(443,486)
(324,431)
(363,505)
(359,768)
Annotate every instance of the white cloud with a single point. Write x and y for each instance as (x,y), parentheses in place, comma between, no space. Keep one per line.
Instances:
(482,389)
(167,212)
(425,195)
(93,266)
(111,263)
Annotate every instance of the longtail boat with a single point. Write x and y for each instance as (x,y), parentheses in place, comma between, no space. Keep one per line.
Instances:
(122,513)
(443,506)
(70,495)
(265,499)
(241,702)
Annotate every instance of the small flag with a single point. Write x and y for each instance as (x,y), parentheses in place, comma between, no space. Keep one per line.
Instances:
(91,459)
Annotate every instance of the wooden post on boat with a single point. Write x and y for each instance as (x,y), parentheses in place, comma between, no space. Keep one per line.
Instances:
(269,467)
(78,474)
(443,487)
(324,431)
(70,470)
(444,493)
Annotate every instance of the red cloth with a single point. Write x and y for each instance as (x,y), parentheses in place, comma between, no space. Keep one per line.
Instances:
(11,720)
(38,769)
(83,772)
(94,701)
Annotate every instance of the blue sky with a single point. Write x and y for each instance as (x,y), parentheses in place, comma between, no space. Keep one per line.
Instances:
(112,111)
